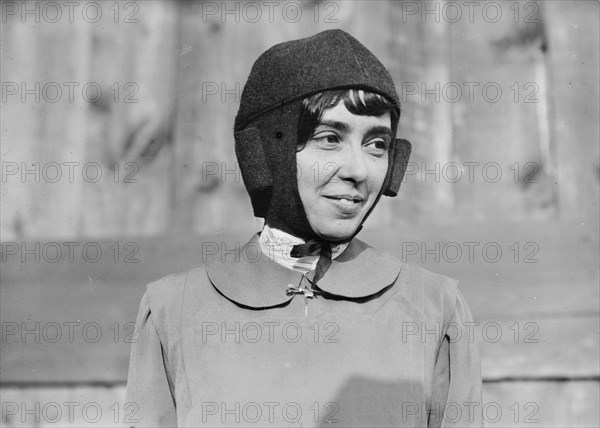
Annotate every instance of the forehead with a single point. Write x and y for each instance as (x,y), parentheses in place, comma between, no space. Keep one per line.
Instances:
(340,115)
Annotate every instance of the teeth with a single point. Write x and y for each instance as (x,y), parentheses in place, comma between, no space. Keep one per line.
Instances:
(346,200)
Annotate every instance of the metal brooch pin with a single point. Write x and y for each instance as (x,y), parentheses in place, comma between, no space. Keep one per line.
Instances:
(292,290)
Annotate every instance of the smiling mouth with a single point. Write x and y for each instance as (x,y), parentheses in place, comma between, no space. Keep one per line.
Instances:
(347,205)
(349,198)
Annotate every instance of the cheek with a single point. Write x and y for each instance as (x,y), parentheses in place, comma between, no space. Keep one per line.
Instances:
(310,171)
(302,190)
(377,174)
(306,184)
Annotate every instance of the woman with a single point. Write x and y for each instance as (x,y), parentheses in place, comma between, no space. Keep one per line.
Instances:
(309,326)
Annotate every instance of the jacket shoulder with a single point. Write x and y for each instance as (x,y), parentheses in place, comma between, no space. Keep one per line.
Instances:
(433,282)
(433,294)
(166,298)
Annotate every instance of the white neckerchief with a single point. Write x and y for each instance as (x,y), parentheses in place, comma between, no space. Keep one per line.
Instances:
(277,245)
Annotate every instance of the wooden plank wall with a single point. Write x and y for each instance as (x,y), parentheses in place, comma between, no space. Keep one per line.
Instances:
(185,64)
(122,132)
(170,180)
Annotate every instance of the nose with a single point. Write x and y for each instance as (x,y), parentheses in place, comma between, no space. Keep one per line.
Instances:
(353,164)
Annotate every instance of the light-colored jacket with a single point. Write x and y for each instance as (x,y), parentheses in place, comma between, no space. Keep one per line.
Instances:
(226,344)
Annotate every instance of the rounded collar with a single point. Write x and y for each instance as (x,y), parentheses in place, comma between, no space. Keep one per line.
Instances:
(251,279)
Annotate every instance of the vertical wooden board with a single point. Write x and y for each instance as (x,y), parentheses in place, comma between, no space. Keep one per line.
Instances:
(226,63)
(185,117)
(18,133)
(418,54)
(199,130)
(130,131)
(573,61)
(211,126)
(43,124)
(502,127)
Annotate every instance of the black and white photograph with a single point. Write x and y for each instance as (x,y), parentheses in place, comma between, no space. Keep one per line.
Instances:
(300,213)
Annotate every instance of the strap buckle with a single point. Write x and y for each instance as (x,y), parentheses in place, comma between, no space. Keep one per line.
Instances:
(292,290)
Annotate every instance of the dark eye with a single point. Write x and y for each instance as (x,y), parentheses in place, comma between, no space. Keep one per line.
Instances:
(377,146)
(381,144)
(326,139)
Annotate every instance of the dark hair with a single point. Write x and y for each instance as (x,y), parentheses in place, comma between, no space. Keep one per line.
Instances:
(357,101)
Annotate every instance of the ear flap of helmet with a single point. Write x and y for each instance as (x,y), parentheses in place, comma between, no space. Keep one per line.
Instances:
(401,154)
(255,169)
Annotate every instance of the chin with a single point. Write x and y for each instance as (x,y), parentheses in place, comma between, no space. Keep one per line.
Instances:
(337,232)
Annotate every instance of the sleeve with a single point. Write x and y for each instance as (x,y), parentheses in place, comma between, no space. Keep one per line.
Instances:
(456,396)
(148,390)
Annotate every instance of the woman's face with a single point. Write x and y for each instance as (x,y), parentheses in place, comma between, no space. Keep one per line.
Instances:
(341,170)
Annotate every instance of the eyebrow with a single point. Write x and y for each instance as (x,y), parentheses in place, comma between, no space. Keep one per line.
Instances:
(340,126)
(380,130)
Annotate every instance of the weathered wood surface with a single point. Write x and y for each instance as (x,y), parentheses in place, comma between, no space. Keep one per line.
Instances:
(186,63)
(178,138)
(546,312)
(542,404)
(572,67)
(66,407)
(95,124)
(512,404)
